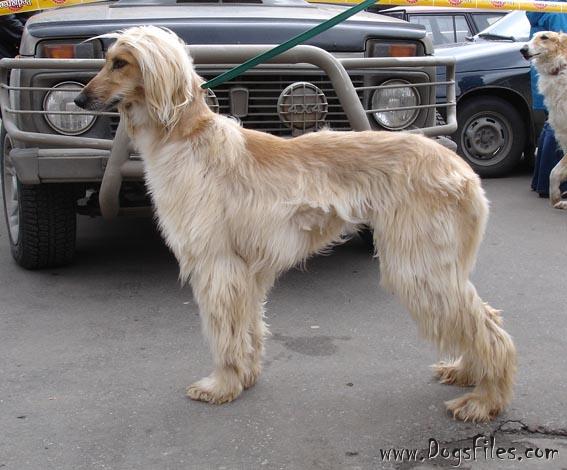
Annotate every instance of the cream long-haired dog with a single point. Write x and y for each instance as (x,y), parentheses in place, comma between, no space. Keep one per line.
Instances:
(237,207)
(547,50)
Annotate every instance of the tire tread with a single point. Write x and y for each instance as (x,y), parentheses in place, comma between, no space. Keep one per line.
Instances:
(47,226)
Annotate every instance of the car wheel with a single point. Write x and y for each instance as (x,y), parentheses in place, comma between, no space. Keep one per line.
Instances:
(491,135)
(41,219)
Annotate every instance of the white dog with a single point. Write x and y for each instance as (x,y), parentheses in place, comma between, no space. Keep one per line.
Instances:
(237,207)
(548,52)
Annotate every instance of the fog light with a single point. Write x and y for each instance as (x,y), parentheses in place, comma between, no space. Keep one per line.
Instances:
(303,106)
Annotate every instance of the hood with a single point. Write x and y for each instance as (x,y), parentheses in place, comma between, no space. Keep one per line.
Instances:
(146,11)
(483,55)
(201,23)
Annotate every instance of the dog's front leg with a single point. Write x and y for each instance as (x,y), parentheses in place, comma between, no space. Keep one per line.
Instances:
(557,176)
(230,303)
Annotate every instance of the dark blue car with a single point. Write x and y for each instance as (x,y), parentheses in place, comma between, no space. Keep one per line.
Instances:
(497,126)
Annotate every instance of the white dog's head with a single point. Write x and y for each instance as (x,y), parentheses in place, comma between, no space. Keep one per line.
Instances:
(548,52)
(147,66)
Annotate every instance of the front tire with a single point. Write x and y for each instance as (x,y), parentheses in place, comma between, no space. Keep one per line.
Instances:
(41,219)
(491,135)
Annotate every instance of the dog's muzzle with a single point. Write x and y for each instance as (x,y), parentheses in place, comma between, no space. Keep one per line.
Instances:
(525,51)
(86,101)
(82,100)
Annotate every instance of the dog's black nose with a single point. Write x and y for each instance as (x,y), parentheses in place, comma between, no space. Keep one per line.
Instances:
(525,51)
(81,100)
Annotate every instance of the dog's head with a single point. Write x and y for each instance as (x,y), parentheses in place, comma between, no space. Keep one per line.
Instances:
(548,51)
(146,66)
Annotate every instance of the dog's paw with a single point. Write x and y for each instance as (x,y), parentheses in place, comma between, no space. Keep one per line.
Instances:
(452,373)
(215,391)
(471,407)
(251,376)
(560,205)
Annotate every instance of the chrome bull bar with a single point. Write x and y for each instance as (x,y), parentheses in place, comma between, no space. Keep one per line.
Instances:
(116,153)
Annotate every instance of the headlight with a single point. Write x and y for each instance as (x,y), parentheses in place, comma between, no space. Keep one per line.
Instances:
(61,100)
(395,98)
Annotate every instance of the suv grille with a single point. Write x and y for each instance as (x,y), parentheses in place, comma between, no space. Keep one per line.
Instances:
(264,92)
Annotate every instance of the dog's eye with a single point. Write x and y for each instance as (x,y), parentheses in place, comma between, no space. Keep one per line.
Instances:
(544,37)
(118,64)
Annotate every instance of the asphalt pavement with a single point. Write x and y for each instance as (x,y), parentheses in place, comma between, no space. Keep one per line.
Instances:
(95,358)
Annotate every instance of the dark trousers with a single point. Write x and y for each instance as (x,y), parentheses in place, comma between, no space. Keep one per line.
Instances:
(548,155)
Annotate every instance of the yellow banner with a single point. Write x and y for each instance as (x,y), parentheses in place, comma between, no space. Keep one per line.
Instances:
(525,5)
(19,6)
(8,7)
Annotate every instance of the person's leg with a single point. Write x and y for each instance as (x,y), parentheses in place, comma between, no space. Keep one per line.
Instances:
(541,140)
(549,154)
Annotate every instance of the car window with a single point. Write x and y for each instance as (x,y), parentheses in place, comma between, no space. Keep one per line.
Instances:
(462,29)
(443,29)
(484,20)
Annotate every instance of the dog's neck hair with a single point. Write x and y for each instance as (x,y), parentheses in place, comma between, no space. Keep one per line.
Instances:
(141,126)
(552,67)
(199,128)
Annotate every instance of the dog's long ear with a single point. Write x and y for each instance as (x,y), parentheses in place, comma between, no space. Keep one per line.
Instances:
(167,73)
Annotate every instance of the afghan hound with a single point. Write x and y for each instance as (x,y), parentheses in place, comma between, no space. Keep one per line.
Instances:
(238,207)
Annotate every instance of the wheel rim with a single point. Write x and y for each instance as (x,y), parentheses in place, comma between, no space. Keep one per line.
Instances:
(11,192)
(486,138)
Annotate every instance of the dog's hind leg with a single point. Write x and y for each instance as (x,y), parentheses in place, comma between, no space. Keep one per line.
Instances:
(557,176)
(426,255)
(491,356)
(230,303)
(455,372)
(460,371)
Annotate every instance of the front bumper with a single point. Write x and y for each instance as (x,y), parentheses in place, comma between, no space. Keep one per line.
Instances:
(61,165)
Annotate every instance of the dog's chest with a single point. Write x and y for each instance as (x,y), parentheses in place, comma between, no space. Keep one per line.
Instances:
(553,89)
(185,201)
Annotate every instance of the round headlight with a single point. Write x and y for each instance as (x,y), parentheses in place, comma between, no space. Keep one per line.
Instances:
(62,100)
(395,98)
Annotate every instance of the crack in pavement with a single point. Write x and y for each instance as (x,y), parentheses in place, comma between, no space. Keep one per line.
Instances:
(525,428)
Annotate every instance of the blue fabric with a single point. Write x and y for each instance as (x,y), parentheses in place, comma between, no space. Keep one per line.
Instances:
(548,155)
(543,22)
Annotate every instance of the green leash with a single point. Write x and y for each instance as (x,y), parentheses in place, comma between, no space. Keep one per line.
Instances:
(265,56)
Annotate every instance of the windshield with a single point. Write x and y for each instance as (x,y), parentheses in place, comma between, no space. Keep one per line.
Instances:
(514,24)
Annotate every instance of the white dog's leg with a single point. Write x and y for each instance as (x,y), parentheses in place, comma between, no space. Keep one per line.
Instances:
(230,303)
(557,176)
